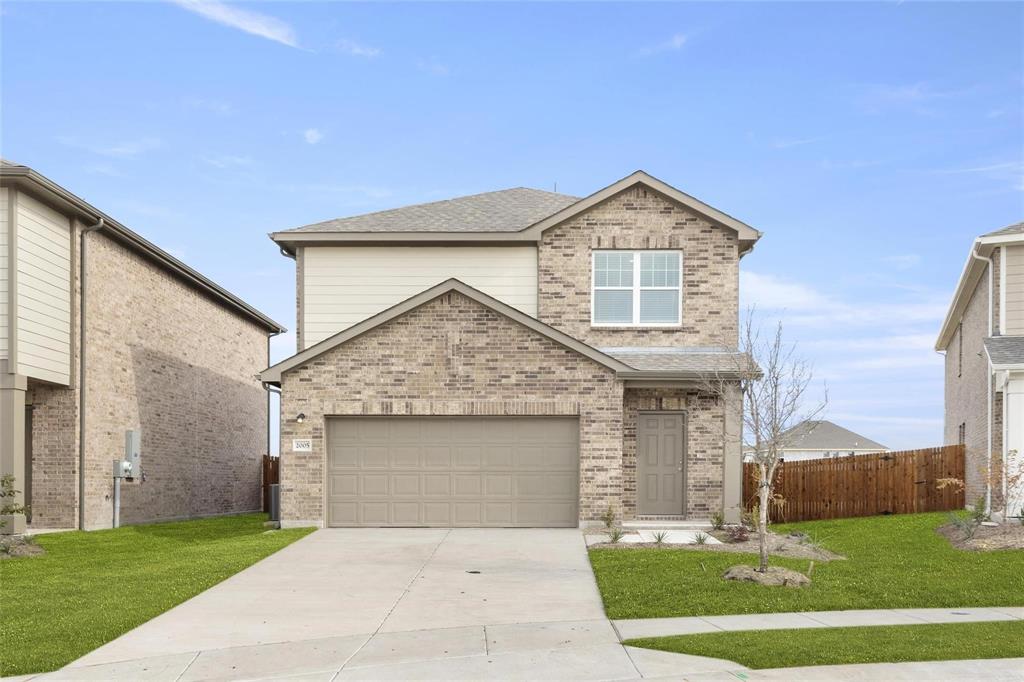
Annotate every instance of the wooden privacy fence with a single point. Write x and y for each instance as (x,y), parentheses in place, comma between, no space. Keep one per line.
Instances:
(271,473)
(863,485)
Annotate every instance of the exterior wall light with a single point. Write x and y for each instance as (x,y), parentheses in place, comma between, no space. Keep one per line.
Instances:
(300,417)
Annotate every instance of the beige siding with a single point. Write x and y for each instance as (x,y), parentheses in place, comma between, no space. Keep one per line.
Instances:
(1014,293)
(345,285)
(43,291)
(4,293)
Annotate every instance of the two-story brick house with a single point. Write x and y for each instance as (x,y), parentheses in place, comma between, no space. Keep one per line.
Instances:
(514,358)
(983,341)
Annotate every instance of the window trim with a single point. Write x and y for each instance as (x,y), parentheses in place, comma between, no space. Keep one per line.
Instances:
(636,288)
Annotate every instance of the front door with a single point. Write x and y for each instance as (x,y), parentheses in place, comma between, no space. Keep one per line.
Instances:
(661,463)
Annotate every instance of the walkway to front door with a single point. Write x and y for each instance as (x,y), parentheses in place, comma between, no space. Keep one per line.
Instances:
(661,464)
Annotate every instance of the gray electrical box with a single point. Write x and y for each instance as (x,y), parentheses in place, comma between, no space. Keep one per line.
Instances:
(133,453)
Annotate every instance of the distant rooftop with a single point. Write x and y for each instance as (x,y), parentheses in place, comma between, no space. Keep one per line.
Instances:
(507,210)
(824,435)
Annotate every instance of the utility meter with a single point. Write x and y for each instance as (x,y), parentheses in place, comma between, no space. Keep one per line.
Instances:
(133,453)
(122,468)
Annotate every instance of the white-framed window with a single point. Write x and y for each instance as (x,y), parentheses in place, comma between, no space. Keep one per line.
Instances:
(636,288)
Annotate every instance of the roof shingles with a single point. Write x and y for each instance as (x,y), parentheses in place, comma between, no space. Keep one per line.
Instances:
(1005,350)
(509,210)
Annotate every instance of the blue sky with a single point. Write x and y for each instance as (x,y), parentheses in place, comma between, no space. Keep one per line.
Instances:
(869,141)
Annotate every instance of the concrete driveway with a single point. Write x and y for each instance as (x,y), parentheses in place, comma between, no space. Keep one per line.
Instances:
(390,604)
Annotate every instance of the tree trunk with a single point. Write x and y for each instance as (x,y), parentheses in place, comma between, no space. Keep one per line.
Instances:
(762,520)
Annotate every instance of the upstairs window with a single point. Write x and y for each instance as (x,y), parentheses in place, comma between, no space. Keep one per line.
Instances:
(637,288)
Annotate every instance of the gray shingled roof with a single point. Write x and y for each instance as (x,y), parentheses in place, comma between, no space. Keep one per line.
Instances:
(508,210)
(1016,228)
(674,359)
(824,435)
(1005,350)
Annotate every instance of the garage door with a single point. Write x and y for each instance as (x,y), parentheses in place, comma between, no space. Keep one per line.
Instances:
(453,471)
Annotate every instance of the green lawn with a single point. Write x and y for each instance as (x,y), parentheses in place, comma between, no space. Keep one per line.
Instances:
(834,646)
(90,587)
(892,562)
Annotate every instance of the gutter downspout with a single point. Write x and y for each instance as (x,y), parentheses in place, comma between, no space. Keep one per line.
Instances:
(988,396)
(81,369)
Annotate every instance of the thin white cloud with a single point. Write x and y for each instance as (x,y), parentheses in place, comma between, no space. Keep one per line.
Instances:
(119,150)
(357,50)
(988,168)
(432,66)
(1010,172)
(885,419)
(254,23)
(802,305)
(920,98)
(673,44)
(312,135)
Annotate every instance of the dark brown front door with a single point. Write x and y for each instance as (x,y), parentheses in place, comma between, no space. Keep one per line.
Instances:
(661,463)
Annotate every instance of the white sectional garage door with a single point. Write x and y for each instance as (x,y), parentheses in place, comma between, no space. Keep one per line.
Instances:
(453,471)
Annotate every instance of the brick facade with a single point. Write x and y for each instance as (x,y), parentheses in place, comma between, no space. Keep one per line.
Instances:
(639,218)
(451,356)
(165,358)
(705,447)
(966,387)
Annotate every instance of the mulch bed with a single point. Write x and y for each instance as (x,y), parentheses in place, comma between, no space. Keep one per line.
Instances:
(12,546)
(1009,535)
(778,545)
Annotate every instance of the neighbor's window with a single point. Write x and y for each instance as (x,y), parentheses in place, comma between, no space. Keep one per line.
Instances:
(639,288)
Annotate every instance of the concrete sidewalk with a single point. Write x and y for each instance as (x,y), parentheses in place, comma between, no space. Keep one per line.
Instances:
(990,670)
(664,627)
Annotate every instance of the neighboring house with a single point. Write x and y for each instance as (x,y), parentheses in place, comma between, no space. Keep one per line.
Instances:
(983,340)
(101,332)
(820,439)
(514,358)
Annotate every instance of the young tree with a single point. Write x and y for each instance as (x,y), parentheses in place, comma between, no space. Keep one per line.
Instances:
(773,382)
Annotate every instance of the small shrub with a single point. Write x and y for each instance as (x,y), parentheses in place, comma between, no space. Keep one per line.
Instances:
(718,521)
(749,518)
(7,494)
(738,533)
(978,513)
(659,537)
(701,538)
(967,525)
(615,534)
(608,518)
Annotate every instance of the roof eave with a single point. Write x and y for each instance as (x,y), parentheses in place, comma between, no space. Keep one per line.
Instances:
(272,375)
(290,240)
(23,176)
(746,234)
(969,276)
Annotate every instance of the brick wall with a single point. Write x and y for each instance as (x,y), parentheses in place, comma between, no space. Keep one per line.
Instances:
(451,356)
(54,492)
(705,449)
(165,358)
(639,218)
(966,389)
